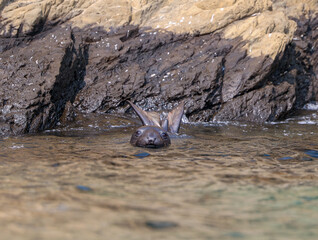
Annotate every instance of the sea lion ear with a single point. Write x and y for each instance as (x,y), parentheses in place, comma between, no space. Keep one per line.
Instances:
(147,118)
(174,118)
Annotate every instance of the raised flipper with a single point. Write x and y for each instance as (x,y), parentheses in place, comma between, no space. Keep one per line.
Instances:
(147,118)
(165,125)
(174,118)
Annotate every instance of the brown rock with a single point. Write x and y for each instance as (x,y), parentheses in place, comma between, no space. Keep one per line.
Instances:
(251,60)
(36,82)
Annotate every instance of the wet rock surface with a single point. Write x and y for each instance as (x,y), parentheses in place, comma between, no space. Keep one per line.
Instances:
(228,61)
(37,79)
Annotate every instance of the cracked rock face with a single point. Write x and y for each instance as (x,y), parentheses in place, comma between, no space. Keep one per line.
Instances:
(37,79)
(245,60)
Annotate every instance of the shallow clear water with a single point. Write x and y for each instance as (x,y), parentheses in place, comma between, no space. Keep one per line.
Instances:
(216,181)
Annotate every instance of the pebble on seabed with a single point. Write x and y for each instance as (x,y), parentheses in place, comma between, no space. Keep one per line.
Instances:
(312,153)
(84,188)
(142,155)
(161,224)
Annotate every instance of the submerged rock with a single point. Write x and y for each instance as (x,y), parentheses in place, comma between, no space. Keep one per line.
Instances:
(247,60)
(160,225)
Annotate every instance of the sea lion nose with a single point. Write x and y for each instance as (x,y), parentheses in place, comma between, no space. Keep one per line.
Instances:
(151,140)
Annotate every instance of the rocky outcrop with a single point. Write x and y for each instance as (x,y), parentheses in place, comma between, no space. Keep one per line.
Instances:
(37,79)
(247,60)
(300,62)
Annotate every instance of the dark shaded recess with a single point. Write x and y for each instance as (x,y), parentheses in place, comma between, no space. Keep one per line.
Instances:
(70,79)
(306,47)
(298,65)
(38,27)
(9,43)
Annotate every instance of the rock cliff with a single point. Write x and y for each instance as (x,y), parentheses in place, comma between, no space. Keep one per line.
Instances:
(246,60)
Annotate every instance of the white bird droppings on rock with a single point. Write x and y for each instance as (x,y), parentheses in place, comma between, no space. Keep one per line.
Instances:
(211,20)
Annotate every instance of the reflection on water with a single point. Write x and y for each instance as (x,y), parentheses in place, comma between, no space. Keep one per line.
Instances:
(216,181)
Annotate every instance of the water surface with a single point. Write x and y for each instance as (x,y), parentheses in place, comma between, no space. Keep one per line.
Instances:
(216,181)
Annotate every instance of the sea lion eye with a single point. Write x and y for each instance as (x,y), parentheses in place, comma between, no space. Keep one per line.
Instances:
(137,133)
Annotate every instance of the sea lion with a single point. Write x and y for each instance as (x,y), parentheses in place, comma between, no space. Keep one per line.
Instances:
(154,133)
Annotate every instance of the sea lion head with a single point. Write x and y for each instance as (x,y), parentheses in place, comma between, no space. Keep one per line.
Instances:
(150,137)
(154,133)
